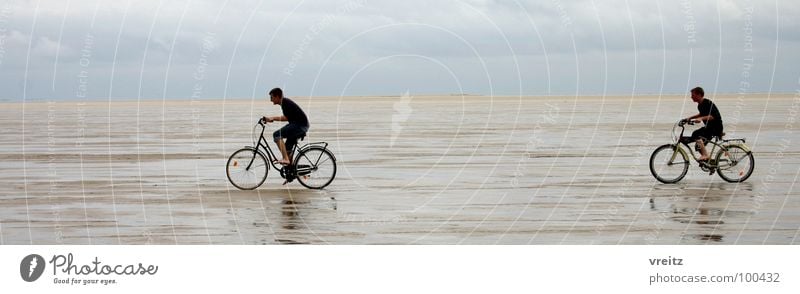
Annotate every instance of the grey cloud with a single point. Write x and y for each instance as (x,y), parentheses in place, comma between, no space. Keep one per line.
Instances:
(161,40)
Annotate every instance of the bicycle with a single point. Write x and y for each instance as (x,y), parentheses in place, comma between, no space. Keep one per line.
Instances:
(314,165)
(732,158)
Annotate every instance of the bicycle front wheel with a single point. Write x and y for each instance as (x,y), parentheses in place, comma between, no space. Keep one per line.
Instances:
(669,165)
(735,164)
(315,167)
(247,169)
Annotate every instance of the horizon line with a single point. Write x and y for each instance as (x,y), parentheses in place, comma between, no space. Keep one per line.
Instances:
(472,95)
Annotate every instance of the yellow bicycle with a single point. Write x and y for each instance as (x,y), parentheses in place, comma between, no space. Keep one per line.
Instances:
(732,159)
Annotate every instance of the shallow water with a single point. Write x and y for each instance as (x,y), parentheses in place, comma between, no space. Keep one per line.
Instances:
(419,170)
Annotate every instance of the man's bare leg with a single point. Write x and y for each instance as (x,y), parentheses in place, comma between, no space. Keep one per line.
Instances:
(703,152)
(282,147)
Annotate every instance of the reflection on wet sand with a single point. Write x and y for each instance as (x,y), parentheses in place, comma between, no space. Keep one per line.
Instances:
(453,170)
(291,220)
(706,210)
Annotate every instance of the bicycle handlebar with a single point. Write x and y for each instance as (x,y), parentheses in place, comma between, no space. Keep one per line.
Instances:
(262,122)
(684,121)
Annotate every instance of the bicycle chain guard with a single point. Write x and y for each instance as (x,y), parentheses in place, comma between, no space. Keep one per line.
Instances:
(300,170)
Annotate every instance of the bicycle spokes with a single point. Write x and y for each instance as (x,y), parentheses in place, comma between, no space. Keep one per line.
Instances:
(315,167)
(250,176)
(735,164)
(668,164)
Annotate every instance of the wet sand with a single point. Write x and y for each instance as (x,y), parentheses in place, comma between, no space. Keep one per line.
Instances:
(414,170)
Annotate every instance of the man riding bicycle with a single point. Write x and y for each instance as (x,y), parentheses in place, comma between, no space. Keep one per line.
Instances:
(295,129)
(709,115)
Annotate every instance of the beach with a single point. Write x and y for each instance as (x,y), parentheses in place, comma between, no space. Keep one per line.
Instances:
(457,169)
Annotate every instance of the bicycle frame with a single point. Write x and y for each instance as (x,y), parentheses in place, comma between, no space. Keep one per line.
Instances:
(263,143)
(715,145)
(680,148)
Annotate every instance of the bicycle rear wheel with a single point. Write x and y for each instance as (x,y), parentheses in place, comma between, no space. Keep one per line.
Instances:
(668,165)
(315,167)
(735,164)
(247,169)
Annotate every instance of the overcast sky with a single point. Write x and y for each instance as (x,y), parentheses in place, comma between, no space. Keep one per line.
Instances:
(61,49)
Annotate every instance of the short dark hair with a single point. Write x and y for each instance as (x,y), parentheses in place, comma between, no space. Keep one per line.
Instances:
(276,92)
(696,90)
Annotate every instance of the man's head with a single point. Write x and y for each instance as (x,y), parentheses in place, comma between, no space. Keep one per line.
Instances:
(276,95)
(697,94)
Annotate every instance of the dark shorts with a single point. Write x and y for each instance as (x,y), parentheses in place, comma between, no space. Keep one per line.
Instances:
(290,132)
(706,133)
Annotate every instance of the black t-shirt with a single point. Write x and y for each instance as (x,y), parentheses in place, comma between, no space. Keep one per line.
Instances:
(293,113)
(706,107)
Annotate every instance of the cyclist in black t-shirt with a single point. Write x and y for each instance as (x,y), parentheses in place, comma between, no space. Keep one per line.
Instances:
(708,113)
(295,129)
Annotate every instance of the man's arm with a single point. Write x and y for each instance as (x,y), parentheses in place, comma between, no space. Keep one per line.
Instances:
(700,118)
(275,118)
